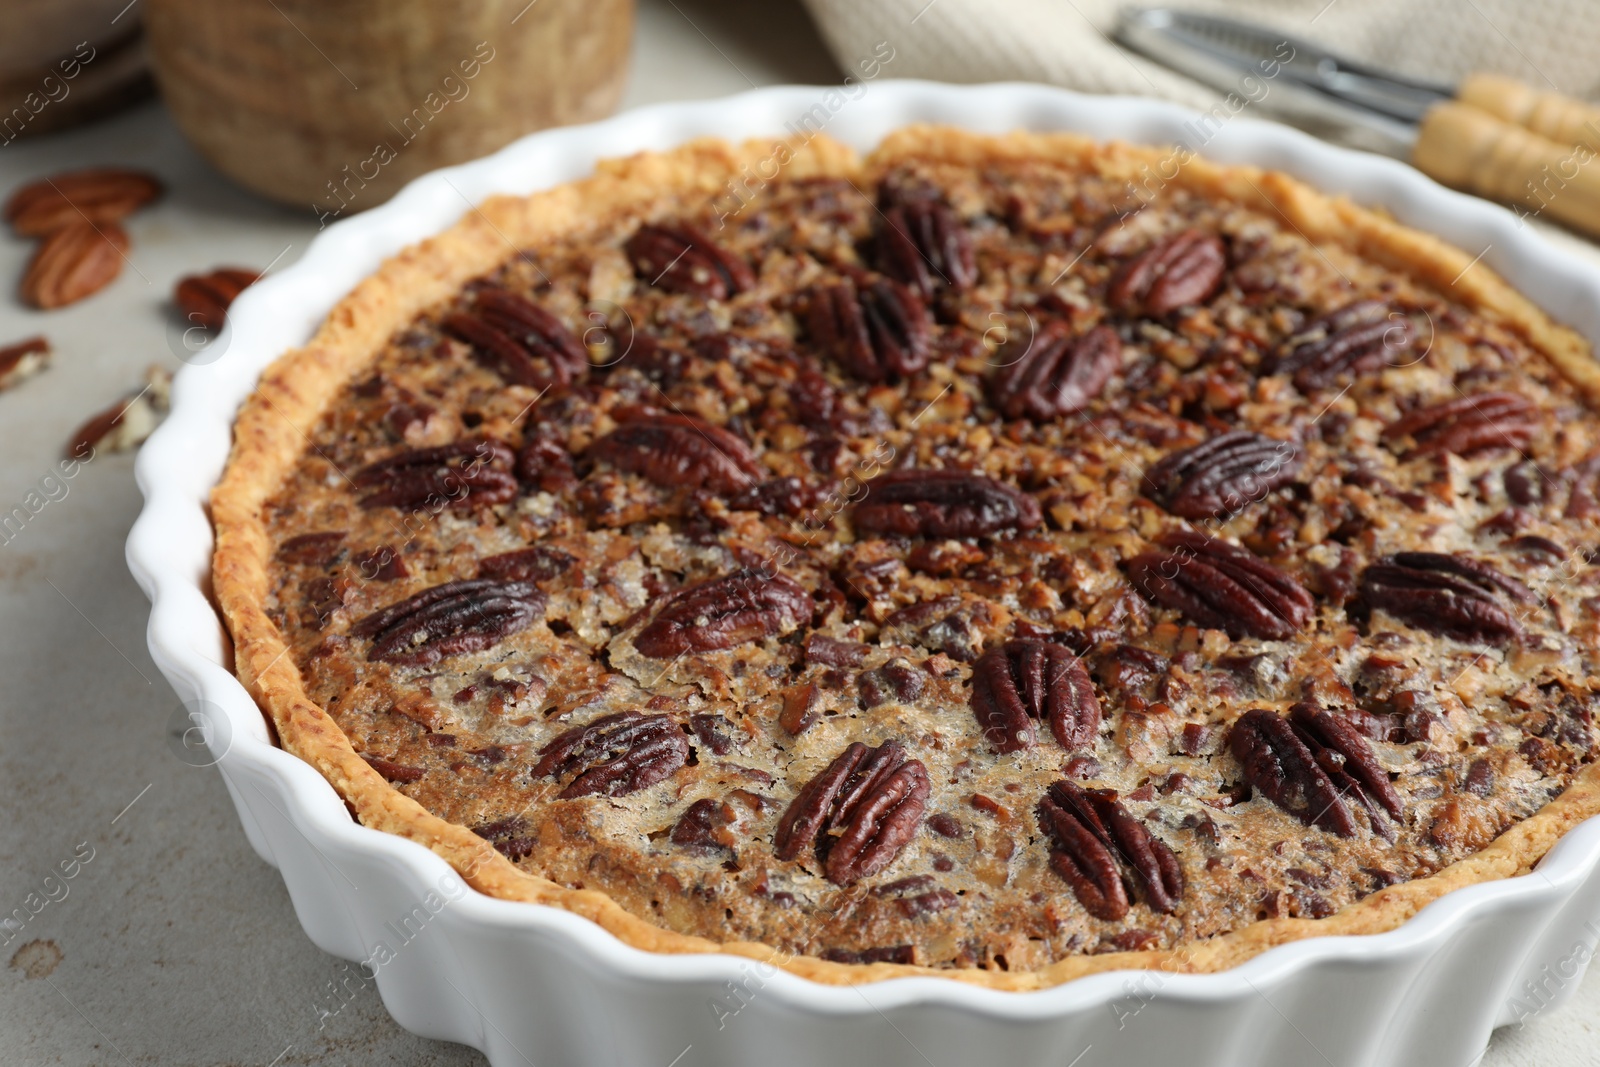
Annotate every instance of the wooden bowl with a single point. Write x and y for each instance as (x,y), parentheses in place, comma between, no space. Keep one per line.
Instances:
(67,61)
(336,105)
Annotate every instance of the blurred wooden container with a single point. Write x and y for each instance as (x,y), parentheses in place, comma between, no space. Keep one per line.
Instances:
(338,103)
(63,62)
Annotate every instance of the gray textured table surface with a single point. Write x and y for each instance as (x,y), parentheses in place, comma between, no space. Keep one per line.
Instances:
(174,944)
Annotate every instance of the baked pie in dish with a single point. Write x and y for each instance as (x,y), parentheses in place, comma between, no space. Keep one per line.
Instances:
(985,558)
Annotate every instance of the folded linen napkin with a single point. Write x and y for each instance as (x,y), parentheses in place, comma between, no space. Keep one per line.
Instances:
(1547,43)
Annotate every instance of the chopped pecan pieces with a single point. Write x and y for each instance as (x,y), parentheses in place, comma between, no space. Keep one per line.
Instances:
(128,422)
(1584,500)
(701,826)
(874,798)
(831,652)
(746,605)
(710,826)
(935,900)
(801,708)
(1020,681)
(676,450)
(509,836)
(1310,763)
(382,564)
(1178,271)
(1527,483)
(876,330)
(23,360)
(450,620)
(712,732)
(466,474)
(518,339)
(615,755)
(921,244)
(1480,779)
(539,563)
(1090,831)
(1223,475)
(778,496)
(1056,373)
(545,464)
(884,954)
(1448,595)
(317,549)
(681,259)
(943,503)
(392,771)
(895,681)
(1222,586)
(1468,424)
(1356,339)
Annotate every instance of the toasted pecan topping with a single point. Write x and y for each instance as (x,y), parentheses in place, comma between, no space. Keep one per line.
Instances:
(614,755)
(450,620)
(875,798)
(943,503)
(747,605)
(1222,586)
(808,560)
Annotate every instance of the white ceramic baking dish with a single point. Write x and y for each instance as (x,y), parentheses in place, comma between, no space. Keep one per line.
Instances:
(535,985)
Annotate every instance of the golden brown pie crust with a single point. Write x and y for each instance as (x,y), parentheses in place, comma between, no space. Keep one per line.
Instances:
(275,423)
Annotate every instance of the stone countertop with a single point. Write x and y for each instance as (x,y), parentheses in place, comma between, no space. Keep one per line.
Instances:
(173,943)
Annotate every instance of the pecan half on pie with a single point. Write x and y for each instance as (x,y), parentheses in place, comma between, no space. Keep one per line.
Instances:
(960,560)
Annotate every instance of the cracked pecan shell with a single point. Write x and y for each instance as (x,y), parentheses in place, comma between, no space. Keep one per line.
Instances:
(1448,595)
(465,474)
(450,620)
(1056,373)
(677,451)
(1024,680)
(1222,586)
(682,259)
(873,797)
(747,605)
(1178,271)
(1222,475)
(922,245)
(1468,424)
(944,503)
(1353,340)
(518,339)
(1092,837)
(615,755)
(876,330)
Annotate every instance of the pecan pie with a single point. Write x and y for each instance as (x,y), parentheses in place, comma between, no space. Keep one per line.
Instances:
(963,560)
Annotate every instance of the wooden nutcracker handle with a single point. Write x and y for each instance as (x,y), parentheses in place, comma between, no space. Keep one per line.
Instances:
(1482,153)
(1560,118)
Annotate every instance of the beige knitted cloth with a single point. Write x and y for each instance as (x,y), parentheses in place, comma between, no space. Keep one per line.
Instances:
(1551,44)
